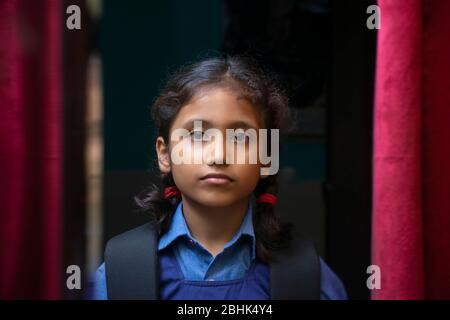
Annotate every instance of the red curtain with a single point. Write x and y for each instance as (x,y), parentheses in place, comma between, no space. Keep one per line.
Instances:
(411,201)
(30,148)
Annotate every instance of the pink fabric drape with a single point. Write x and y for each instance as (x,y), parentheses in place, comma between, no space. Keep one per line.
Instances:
(411,199)
(30,148)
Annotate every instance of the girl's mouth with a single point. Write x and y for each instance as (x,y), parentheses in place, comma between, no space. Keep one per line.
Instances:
(217,178)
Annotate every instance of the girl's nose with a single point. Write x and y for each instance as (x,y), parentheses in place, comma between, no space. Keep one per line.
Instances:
(215,152)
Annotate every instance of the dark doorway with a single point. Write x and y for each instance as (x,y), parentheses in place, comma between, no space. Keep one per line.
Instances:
(324,55)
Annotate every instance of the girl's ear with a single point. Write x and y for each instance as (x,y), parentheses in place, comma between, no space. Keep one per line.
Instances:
(163,153)
(262,176)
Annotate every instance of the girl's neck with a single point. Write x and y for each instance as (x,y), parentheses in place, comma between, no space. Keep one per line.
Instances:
(213,227)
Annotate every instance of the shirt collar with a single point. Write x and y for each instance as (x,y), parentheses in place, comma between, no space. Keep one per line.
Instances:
(178,228)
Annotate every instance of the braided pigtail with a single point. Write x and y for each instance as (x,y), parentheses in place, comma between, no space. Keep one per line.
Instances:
(160,202)
(271,233)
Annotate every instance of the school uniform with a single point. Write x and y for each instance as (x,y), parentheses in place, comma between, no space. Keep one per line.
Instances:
(188,271)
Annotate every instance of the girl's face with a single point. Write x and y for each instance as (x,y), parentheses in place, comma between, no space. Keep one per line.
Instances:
(219,109)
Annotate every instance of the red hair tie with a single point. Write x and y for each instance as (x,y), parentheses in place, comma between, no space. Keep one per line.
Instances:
(171,192)
(267,198)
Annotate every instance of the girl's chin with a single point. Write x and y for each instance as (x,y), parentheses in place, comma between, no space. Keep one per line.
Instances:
(217,200)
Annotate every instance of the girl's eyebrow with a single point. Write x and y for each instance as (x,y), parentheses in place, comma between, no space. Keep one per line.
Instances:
(241,125)
(190,123)
(233,125)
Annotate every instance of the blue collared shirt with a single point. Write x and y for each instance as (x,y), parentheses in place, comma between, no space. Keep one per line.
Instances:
(197,263)
(232,262)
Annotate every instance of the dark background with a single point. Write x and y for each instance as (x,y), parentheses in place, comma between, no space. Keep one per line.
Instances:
(325,56)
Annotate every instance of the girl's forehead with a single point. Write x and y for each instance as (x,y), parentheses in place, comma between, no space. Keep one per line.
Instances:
(219,108)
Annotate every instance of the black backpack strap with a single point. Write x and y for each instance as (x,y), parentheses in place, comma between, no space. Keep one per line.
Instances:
(295,272)
(131,265)
(131,268)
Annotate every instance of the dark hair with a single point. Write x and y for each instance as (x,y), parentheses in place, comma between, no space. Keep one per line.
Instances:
(240,74)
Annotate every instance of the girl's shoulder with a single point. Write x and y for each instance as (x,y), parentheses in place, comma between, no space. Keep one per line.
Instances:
(331,286)
(97,285)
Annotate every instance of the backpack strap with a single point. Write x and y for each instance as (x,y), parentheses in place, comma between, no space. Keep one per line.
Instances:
(131,265)
(295,272)
(131,268)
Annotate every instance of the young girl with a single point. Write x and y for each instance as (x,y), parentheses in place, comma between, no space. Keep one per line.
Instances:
(215,220)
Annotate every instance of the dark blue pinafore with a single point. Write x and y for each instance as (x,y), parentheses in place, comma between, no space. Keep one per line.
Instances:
(255,285)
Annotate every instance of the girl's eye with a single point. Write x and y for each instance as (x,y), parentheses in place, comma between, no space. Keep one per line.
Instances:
(240,137)
(196,135)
